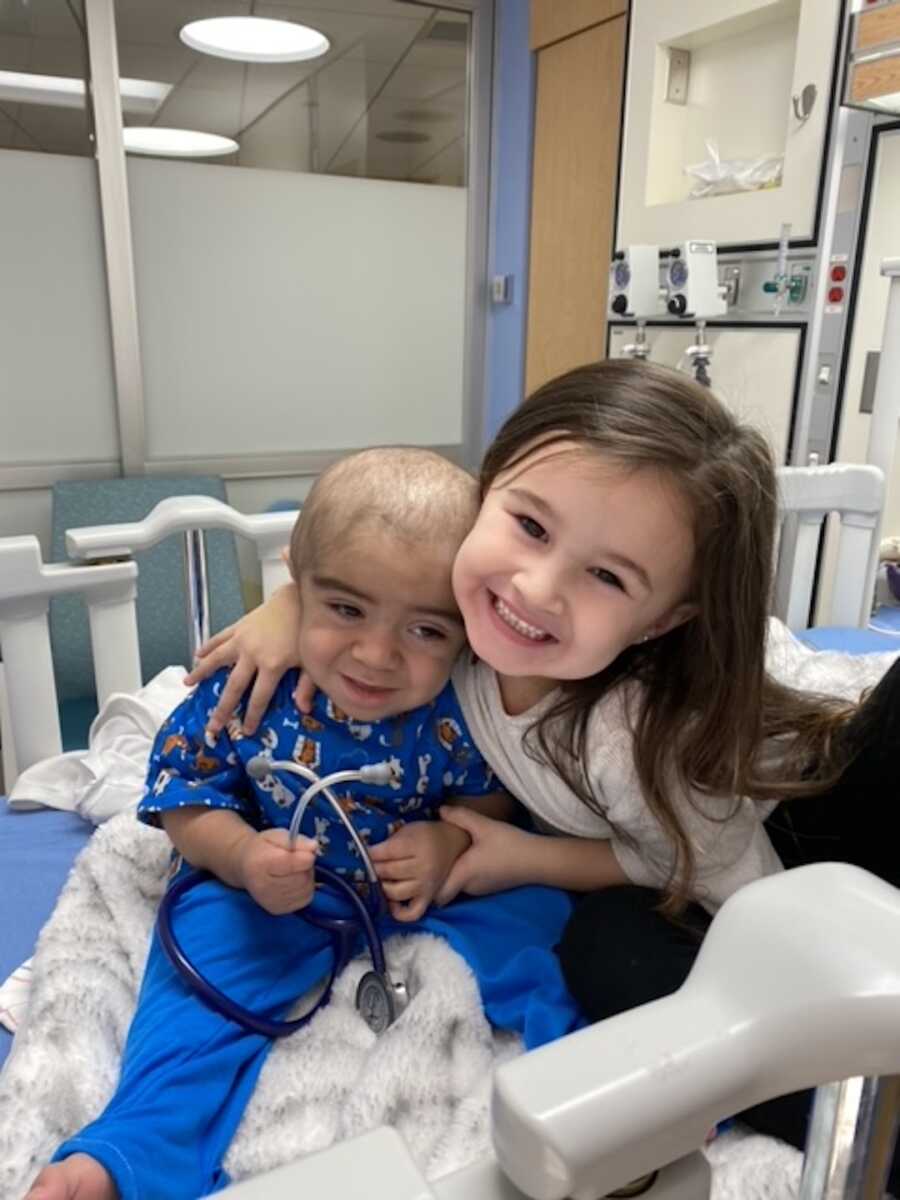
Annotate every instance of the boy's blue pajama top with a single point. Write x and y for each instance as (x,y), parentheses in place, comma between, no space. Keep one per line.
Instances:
(188,1073)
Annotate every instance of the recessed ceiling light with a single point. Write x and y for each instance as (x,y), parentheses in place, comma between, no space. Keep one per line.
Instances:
(254,39)
(176,143)
(138,95)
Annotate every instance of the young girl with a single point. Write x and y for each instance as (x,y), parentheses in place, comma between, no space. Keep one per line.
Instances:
(615,590)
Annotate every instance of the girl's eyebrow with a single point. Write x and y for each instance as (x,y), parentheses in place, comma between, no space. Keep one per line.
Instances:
(630,565)
(547,510)
(533,499)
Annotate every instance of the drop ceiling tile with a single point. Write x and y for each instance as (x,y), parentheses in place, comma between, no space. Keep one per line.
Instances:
(15,53)
(162,64)
(282,139)
(58,56)
(377,38)
(158,23)
(197,108)
(56,130)
(420,83)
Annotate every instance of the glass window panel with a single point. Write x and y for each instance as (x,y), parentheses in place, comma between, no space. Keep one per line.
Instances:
(43,68)
(320,284)
(388,100)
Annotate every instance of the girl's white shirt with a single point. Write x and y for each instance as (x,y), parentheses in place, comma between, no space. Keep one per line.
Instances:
(730,842)
(729,852)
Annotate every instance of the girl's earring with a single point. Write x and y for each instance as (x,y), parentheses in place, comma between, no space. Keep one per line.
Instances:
(644,638)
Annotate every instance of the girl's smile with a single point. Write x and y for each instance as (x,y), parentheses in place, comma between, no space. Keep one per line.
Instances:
(512,620)
(572,559)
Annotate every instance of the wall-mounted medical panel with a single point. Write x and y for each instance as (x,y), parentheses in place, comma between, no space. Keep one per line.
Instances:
(726,119)
(753,370)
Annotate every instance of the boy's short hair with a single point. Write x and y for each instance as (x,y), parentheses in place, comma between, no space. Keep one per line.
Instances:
(413,494)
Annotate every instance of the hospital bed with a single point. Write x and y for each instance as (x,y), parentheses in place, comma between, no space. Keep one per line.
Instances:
(668,1071)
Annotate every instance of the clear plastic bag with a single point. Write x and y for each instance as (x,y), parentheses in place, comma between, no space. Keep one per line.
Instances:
(722,176)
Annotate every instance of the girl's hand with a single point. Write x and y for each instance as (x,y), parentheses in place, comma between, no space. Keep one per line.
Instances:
(414,862)
(304,693)
(279,879)
(262,644)
(492,861)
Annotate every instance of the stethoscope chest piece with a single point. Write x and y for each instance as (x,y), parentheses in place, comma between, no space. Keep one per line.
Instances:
(379,1001)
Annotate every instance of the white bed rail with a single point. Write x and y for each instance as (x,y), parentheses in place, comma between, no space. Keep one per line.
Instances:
(31,720)
(808,495)
(28,707)
(269,532)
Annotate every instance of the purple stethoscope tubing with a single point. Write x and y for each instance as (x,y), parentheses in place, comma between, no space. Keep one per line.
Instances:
(343,931)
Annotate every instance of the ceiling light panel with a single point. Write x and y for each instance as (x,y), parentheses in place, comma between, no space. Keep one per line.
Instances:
(254,39)
(176,143)
(138,95)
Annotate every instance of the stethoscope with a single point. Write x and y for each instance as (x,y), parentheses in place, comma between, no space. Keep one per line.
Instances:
(379,999)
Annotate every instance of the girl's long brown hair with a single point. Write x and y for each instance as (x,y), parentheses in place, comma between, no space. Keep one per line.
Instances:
(707,708)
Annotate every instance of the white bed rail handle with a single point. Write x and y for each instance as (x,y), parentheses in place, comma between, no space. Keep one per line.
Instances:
(179,514)
(190,516)
(781,997)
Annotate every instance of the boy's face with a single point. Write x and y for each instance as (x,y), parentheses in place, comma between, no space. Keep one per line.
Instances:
(380,630)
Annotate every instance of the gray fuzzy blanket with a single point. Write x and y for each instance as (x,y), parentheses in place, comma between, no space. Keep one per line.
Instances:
(429,1076)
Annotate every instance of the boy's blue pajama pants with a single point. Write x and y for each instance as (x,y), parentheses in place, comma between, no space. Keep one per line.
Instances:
(187,1073)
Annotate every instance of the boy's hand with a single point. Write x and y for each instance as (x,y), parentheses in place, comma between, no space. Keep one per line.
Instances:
(491,862)
(413,863)
(278,878)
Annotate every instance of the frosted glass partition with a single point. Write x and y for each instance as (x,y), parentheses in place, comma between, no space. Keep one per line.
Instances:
(287,312)
(754,371)
(56,401)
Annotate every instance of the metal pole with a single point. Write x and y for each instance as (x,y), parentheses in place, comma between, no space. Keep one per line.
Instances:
(851,1139)
(196,588)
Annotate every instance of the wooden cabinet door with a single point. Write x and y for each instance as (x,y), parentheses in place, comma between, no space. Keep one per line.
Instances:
(576,149)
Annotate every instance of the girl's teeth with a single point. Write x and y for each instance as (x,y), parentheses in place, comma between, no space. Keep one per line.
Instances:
(506,614)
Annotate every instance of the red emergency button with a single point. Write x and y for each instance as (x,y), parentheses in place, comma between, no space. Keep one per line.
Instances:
(838,274)
(835,295)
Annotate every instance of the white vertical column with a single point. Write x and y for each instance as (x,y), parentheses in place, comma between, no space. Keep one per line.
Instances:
(116,218)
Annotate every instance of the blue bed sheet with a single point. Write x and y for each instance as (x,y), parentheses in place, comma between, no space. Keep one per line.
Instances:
(37,850)
(883,633)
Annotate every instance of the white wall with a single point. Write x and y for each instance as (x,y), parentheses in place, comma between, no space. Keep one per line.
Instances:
(56,389)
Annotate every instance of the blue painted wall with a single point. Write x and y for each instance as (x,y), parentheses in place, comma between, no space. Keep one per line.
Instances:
(510,215)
